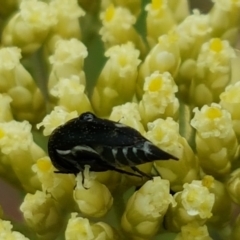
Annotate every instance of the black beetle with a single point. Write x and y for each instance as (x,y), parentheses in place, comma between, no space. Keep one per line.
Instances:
(102,144)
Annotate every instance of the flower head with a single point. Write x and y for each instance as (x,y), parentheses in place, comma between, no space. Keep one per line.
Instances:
(170,74)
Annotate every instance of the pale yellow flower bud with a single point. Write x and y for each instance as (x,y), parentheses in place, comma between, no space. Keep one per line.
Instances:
(194,203)
(192,33)
(159,99)
(146,209)
(111,179)
(222,208)
(71,95)
(227,12)
(42,215)
(233,186)
(186,73)
(216,142)
(60,186)
(79,228)
(10,57)
(165,134)
(129,115)
(5,113)
(21,155)
(67,60)
(197,200)
(118,28)
(6,232)
(104,231)
(163,57)
(134,5)
(27,101)
(12,134)
(212,72)
(28,28)
(193,231)
(93,198)
(159,20)
(230,100)
(117,81)
(67,15)
(180,9)
(57,117)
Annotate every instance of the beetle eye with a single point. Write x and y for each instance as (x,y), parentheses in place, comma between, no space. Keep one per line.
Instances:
(87,116)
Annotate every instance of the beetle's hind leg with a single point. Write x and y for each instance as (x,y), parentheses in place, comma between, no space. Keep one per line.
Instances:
(138,173)
(143,174)
(125,172)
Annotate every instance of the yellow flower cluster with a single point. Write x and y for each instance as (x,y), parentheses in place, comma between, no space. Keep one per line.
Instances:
(168,72)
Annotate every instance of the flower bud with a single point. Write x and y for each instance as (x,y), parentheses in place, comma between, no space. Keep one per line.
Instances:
(61,29)
(5,113)
(19,154)
(28,28)
(93,198)
(67,60)
(216,142)
(146,209)
(194,203)
(159,20)
(212,72)
(129,115)
(60,186)
(57,117)
(163,57)
(27,101)
(193,231)
(79,228)
(159,100)
(226,11)
(7,233)
(222,207)
(117,81)
(230,100)
(191,33)
(118,28)
(165,135)
(233,186)
(71,95)
(42,214)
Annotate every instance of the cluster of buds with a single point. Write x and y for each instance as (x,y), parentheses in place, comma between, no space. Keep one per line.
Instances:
(168,72)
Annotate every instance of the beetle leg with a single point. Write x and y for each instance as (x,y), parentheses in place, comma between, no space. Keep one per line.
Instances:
(143,174)
(126,172)
(83,178)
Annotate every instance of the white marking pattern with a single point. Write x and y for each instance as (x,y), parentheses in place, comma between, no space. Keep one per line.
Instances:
(83,148)
(63,152)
